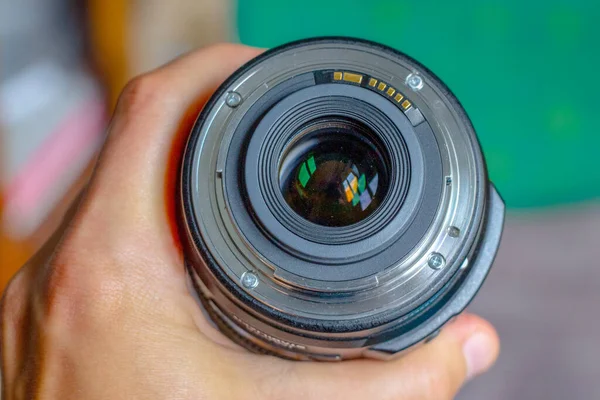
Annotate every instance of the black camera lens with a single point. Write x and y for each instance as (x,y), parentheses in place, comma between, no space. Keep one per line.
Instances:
(333,174)
(335,203)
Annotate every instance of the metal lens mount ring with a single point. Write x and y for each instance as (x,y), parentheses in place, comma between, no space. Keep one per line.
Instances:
(279,283)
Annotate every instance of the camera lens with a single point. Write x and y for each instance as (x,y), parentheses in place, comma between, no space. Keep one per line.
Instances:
(333,174)
(335,203)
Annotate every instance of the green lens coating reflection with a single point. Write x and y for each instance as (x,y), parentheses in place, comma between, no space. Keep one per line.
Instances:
(334,174)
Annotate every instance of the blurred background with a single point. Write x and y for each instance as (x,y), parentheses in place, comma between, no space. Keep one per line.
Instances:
(527,73)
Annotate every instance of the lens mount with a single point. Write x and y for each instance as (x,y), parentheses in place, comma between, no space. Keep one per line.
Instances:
(334,172)
(277,129)
(276,186)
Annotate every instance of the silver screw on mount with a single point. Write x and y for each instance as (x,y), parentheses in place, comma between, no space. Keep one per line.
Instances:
(415,82)
(249,280)
(436,261)
(233,99)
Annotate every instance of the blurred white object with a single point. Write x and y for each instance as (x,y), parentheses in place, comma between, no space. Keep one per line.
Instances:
(53,122)
(52,112)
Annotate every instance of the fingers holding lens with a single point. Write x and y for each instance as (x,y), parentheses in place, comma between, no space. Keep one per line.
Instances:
(434,371)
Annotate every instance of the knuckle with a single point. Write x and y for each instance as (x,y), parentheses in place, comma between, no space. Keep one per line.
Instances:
(77,294)
(64,296)
(12,300)
(141,93)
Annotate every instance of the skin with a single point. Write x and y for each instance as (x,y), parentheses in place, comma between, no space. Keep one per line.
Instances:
(103,311)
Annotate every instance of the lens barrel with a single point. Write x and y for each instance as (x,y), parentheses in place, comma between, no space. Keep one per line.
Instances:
(335,203)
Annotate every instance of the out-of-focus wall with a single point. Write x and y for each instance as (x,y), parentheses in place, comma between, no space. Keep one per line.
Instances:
(161,31)
(132,37)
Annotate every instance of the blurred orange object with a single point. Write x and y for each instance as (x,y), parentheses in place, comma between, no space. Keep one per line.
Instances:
(12,256)
(108,23)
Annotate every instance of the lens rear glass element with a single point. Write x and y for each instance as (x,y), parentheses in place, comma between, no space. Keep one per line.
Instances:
(334,173)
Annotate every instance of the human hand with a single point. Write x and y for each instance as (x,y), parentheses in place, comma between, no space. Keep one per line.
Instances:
(103,312)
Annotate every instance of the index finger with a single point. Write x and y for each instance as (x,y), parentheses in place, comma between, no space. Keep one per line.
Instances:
(132,192)
(126,221)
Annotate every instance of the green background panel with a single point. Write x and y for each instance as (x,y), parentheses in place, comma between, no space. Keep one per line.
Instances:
(526,72)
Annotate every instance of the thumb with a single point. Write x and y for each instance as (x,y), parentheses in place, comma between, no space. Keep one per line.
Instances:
(434,371)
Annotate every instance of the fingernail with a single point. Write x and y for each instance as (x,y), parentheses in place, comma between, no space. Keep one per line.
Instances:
(479,354)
